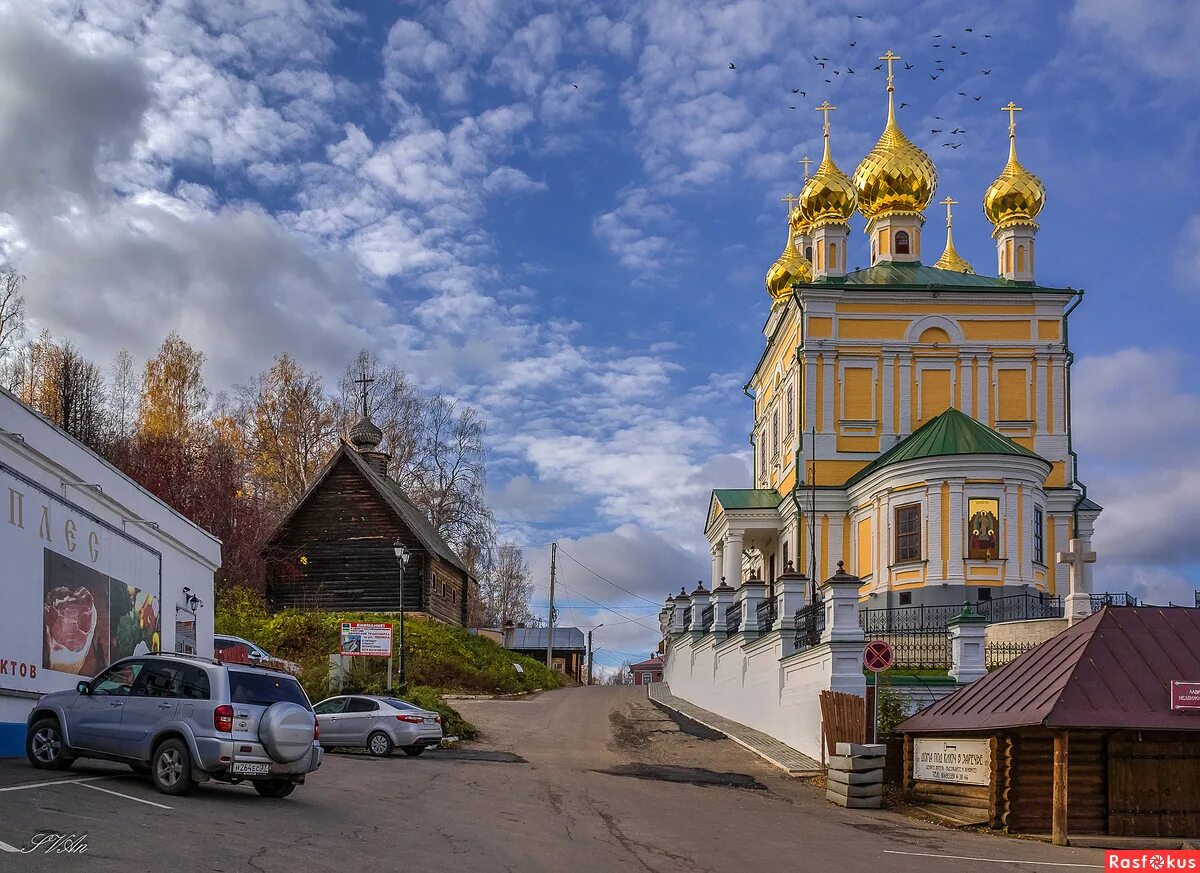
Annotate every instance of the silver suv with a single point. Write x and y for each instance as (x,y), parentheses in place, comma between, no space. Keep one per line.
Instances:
(183,719)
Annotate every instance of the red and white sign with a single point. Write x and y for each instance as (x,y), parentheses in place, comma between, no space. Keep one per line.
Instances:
(1153,860)
(366,639)
(878,656)
(1185,696)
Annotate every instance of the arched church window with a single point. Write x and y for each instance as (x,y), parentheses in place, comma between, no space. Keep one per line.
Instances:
(833,261)
(902,245)
(808,253)
(1020,259)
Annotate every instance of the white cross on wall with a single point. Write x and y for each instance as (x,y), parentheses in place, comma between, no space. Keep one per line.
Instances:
(1077,557)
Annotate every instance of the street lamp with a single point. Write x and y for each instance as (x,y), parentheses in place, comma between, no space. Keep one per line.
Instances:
(402,557)
(590,658)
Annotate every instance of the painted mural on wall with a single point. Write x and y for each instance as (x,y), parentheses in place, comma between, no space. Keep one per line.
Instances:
(90,620)
(983,529)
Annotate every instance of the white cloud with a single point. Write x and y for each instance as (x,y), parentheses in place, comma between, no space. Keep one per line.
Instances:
(1159,37)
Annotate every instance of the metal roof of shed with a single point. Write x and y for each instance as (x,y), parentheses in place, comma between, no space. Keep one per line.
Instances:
(1111,671)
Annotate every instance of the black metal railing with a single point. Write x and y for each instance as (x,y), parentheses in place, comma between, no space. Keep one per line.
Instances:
(733,618)
(998,654)
(766,613)
(810,625)
(706,619)
(1020,607)
(1099,601)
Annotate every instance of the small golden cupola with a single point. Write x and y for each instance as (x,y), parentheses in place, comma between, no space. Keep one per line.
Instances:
(951,259)
(790,268)
(827,202)
(895,182)
(1011,204)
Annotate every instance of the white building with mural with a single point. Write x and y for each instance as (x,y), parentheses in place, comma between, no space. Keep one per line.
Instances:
(92,568)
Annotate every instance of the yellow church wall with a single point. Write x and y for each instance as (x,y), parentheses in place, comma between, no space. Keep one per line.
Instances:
(982,331)
(863,568)
(787,483)
(1013,388)
(935,393)
(1058,475)
(857,386)
(871,328)
(820,326)
(1049,329)
(947,309)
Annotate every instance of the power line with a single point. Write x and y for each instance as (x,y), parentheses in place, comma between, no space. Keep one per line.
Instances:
(609,581)
(633,619)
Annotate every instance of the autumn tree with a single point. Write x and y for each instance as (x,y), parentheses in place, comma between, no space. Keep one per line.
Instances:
(174,398)
(12,310)
(290,427)
(393,402)
(54,378)
(506,587)
(124,391)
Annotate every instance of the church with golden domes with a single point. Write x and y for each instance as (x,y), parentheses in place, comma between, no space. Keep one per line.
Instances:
(910,421)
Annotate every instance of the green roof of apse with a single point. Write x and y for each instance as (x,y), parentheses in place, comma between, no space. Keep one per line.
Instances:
(951,433)
(747,498)
(916,276)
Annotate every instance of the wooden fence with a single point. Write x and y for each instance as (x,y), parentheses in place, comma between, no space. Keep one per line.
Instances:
(843,719)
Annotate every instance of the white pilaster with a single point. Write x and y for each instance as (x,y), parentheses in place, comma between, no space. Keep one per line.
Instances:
(888,426)
(831,365)
(958,522)
(905,394)
(718,564)
(932,533)
(733,558)
(1041,362)
(842,633)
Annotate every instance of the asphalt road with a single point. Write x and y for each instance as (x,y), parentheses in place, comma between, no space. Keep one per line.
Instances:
(581,780)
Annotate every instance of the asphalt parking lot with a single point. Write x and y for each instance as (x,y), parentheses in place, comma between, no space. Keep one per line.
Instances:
(590,780)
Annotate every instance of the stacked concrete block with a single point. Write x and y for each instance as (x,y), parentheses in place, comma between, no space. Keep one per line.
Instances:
(854,778)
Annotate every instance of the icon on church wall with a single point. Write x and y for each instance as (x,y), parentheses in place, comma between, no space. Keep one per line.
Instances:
(983,529)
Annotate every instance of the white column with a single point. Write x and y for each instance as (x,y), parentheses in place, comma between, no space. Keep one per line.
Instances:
(1039,394)
(733,558)
(968,633)
(933,503)
(904,417)
(887,426)
(718,564)
(842,632)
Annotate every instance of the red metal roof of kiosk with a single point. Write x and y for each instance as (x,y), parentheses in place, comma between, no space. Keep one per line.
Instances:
(1113,670)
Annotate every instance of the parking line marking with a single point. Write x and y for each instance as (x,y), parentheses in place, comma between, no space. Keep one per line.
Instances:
(994,860)
(5,847)
(53,782)
(126,796)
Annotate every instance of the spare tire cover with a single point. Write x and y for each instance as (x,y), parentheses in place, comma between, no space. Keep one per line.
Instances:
(286,731)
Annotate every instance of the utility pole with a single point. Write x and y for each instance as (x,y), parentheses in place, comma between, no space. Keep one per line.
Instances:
(590,657)
(550,622)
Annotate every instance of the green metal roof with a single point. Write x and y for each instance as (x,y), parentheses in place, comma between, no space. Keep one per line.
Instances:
(747,498)
(916,276)
(1089,505)
(951,433)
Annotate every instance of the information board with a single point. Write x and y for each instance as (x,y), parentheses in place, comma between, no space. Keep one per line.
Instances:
(960,761)
(364,639)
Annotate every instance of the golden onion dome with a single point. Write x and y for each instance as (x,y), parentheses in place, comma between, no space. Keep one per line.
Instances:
(895,176)
(951,259)
(789,269)
(798,223)
(1017,196)
(828,195)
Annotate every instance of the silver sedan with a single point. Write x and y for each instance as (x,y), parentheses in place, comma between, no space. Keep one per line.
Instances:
(377,724)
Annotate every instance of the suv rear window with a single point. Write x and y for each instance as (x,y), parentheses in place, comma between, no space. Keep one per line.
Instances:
(260,689)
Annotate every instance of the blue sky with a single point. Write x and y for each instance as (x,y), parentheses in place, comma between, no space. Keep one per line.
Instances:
(585,264)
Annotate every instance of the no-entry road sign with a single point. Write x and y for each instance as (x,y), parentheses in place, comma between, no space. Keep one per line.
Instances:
(878,656)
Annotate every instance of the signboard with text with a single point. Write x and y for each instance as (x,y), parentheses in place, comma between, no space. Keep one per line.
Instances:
(366,639)
(959,761)
(1185,696)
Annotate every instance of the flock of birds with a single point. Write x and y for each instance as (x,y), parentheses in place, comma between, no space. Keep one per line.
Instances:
(939,69)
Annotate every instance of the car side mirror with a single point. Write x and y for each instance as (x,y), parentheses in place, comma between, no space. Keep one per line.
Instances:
(83,688)
(255,656)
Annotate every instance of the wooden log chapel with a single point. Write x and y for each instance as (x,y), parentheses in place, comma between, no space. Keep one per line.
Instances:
(334,550)
(1079,736)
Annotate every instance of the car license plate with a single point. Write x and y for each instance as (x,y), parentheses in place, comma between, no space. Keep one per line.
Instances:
(250,768)
(431,721)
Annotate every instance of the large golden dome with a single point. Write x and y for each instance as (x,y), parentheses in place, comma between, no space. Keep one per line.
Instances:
(828,195)
(789,269)
(895,176)
(1017,196)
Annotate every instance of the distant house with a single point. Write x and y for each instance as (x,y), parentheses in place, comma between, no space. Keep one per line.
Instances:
(569,647)
(334,550)
(650,670)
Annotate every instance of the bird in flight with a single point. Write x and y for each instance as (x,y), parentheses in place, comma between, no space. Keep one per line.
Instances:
(837,72)
(829,81)
(937,45)
(573,85)
(969,29)
(732,65)
(853,44)
(962,93)
(937,36)
(980,97)
(791,107)
(907,65)
(858,16)
(962,51)
(938,117)
(850,70)
(987,36)
(879,66)
(958,130)
(903,105)
(955,145)
(939,130)
(986,72)
(934,78)
(798,91)
(821,64)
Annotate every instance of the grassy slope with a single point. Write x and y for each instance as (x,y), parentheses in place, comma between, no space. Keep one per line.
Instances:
(440,658)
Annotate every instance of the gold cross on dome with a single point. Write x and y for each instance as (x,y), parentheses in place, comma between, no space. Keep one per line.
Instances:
(806,160)
(1011,109)
(948,202)
(889,57)
(791,200)
(826,108)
